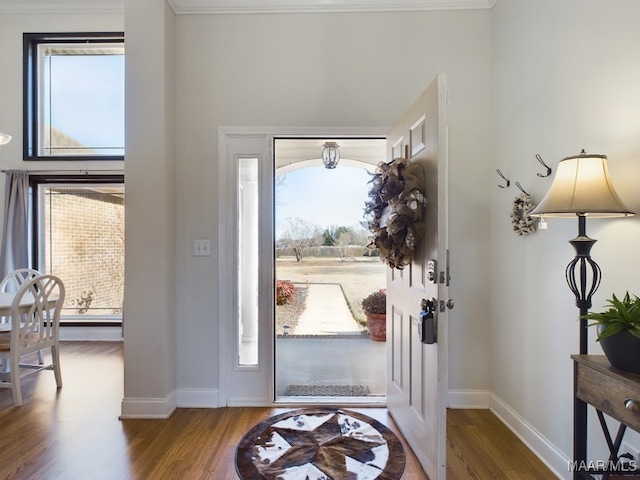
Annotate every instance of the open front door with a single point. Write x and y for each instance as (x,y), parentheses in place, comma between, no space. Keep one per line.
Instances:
(417,378)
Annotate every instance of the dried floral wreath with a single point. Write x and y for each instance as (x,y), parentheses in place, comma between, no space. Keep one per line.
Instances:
(394,211)
(521,221)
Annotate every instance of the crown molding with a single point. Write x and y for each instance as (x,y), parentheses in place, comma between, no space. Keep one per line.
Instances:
(213,7)
(61,6)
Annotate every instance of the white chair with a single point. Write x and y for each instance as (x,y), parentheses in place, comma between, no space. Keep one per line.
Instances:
(35,320)
(12,282)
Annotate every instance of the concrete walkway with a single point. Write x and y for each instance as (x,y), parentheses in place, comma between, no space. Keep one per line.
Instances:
(326,313)
(327,347)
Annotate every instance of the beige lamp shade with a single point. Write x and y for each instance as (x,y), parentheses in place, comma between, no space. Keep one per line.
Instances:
(4,138)
(582,186)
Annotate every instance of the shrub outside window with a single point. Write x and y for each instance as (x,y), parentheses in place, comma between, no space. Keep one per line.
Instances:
(74,96)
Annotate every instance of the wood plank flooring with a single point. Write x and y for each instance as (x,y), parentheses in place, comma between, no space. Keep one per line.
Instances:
(75,433)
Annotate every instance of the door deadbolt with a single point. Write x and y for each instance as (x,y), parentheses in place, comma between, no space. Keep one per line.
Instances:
(428,305)
(431,271)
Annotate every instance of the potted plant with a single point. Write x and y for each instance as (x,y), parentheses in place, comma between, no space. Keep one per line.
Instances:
(619,332)
(375,308)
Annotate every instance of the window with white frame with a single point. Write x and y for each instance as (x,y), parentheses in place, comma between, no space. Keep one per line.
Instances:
(74,96)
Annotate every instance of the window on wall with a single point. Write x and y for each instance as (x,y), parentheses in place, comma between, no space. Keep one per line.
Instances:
(78,231)
(73,96)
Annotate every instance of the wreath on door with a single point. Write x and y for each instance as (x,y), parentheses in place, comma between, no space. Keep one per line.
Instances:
(394,211)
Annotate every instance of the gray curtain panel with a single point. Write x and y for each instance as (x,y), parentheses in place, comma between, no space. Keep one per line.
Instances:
(15,231)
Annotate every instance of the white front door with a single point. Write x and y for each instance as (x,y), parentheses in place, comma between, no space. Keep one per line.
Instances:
(416,371)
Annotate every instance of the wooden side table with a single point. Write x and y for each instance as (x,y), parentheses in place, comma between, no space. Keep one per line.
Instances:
(611,392)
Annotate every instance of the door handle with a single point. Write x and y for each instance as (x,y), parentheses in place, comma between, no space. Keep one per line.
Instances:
(446,304)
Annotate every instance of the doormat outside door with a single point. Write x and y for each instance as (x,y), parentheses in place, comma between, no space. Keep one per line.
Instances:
(326,391)
(320,444)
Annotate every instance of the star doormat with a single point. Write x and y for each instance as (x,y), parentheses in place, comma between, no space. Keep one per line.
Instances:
(320,444)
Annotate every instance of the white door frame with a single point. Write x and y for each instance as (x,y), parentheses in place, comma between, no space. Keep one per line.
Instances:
(252,386)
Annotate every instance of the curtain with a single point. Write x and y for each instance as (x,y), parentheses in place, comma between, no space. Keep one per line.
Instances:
(15,228)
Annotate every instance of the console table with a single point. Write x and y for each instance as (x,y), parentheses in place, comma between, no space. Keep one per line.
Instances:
(611,392)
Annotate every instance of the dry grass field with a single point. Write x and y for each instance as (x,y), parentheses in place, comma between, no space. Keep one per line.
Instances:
(358,276)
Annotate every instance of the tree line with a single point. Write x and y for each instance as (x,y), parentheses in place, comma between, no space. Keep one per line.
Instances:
(300,234)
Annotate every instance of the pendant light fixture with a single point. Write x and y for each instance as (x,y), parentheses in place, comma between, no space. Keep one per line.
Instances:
(4,139)
(330,154)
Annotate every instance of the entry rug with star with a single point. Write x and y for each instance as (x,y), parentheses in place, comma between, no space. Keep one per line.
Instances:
(320,444)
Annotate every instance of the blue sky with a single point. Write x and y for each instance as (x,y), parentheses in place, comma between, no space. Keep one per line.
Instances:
(323,197)
(90,90)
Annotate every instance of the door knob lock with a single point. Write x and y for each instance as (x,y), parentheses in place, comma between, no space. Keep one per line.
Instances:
(449,303)
(428,305)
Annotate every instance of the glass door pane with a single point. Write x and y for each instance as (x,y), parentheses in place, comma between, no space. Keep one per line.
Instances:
(248,270)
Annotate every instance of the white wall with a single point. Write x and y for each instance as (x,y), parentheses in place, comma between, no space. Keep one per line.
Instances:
(566,76)
(150,168)
(330,70)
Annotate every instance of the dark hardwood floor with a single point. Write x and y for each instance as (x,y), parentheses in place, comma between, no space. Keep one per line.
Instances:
(75,433)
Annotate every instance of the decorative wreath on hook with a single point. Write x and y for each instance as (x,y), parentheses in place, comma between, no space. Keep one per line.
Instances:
(394,211)
(521,221)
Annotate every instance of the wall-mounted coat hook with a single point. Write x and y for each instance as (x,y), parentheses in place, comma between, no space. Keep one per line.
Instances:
(543,175)
(504,178)
(521,189)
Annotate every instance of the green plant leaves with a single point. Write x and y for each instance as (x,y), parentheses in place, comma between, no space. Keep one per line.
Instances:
(621,315)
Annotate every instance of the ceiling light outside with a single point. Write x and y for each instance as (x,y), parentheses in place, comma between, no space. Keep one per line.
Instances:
(330,155)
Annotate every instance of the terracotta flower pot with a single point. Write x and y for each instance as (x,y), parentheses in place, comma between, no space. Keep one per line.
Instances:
(377,323)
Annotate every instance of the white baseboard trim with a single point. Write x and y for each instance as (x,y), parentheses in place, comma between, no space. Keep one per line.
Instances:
(553,458)
(88,334)
(469,399)
(198,398)
(147,408)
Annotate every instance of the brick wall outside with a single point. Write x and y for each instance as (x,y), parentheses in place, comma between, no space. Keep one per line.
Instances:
(86,229)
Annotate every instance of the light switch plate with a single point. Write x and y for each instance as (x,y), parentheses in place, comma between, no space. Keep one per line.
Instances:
(202,248)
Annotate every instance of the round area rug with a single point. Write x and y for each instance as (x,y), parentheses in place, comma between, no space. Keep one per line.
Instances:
(320,444)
